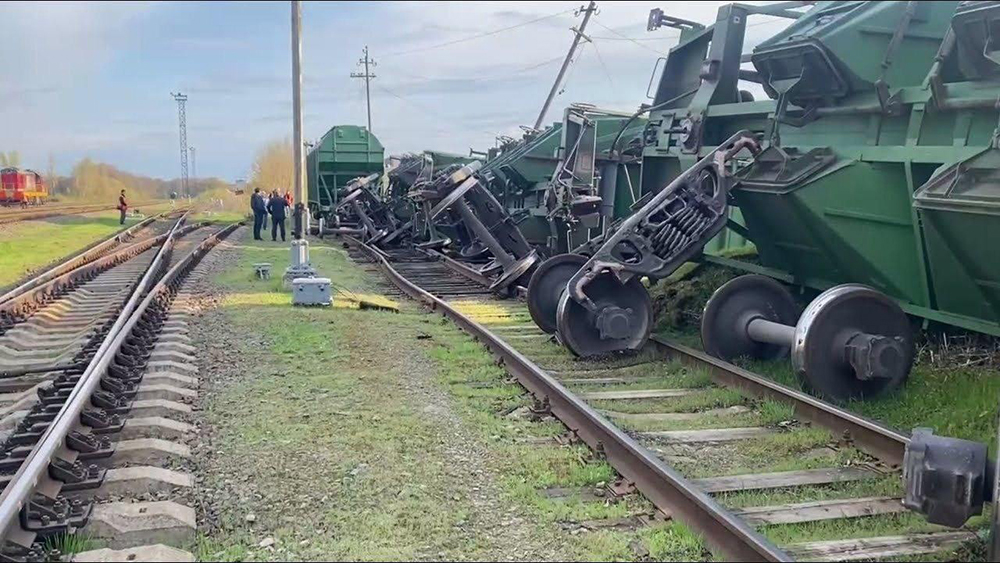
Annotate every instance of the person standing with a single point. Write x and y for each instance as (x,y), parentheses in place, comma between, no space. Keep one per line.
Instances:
(259,208)
(122,207)
(277,207)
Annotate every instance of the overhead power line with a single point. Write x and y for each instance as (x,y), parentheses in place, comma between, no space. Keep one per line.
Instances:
(479,76)
(630,39)
(426,109)
(607,73)
(477,36)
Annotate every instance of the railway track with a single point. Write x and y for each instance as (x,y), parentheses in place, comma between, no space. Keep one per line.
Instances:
(44,212)
(151,226)
(74,347)
(759,470)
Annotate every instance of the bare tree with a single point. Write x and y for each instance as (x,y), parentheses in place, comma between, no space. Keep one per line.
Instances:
(51,178)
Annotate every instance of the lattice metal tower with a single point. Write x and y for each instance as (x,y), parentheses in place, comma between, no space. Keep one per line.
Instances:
(182,125)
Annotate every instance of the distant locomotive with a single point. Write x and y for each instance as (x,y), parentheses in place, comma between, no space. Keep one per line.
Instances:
(22,187)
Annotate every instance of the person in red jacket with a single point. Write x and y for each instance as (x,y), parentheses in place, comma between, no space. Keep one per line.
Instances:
(122,208)
(288,199)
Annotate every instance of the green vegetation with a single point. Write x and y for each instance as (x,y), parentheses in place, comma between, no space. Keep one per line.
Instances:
(416,443)
(69,544)
(29,245)
(379,406)
(958,401)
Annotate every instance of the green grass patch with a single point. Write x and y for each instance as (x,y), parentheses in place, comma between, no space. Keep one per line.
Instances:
(325,438)
(26,246)
(958,402)
(69,545)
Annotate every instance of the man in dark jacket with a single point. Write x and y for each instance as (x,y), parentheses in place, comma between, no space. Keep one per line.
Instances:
(122,207)
(277,207)
(259,208)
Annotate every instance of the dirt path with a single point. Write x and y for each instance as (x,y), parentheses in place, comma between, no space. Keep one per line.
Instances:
(325,436)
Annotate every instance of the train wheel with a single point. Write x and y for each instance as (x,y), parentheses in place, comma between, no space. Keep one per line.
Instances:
(732,307)
(475,251)
(852,342)
(548,284)
(620,321)
(516,275)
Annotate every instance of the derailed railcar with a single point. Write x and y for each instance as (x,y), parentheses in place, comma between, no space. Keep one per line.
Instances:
(344,153)
(867,174)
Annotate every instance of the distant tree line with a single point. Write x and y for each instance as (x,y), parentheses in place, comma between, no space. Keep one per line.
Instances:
(97,181)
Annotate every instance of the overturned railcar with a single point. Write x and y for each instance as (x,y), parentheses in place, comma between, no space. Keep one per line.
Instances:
(868,173)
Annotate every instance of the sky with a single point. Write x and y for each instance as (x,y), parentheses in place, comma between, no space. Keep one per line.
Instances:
(93,79)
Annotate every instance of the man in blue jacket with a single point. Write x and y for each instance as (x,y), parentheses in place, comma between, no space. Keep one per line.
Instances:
(277,207)
(259,209)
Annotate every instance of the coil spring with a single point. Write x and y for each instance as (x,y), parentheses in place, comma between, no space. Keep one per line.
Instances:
(679,231)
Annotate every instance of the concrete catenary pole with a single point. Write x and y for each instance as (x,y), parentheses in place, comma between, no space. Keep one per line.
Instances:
(194,166)
(301,194)
(590,9)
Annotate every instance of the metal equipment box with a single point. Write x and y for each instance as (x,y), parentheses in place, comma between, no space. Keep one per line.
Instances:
(311,291)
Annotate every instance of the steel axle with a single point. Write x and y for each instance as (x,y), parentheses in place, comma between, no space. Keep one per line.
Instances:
(851,341)
(870,355)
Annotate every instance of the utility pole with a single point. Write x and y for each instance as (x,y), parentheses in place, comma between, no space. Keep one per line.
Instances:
(367,62)
(194,168)
(182,125)
(301,195)
(578,33)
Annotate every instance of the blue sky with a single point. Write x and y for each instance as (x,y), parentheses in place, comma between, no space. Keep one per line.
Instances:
(94,79)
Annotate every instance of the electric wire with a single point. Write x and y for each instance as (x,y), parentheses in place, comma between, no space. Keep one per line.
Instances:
(630,39)
(426,109)
(607,73)
(476,36)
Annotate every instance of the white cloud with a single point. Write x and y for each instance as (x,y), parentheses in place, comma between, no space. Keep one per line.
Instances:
(235,68)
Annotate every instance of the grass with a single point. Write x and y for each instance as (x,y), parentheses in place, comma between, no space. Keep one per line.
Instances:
(29,245)
(221,217)
(342,382)
(957,402)
(350,403)
(68,545)
(530,468)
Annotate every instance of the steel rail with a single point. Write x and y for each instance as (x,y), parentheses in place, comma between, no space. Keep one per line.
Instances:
(27,215)
(33,471)
(878,440)
(667,489)
(18,305)
(874,438)
(458,267)
(81,258)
